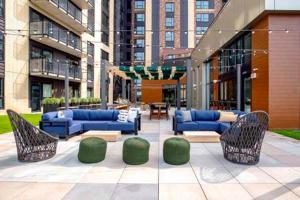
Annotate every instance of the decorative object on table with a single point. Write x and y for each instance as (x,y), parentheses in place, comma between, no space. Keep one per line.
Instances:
(109,136)
(92,150)
(32,143)
(202,136)
(136,151)
(242,142)
(176,151)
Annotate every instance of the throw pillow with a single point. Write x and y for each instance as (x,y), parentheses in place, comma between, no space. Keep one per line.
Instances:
(227,116)
(123,116)
(132,114)
(60,114)
(186,115)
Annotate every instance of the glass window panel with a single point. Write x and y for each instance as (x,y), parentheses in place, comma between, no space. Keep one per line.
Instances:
(47,90)
(139,4)
(169,7)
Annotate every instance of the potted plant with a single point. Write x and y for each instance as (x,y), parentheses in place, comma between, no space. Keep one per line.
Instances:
(50,104)
(84,101)
(74,101)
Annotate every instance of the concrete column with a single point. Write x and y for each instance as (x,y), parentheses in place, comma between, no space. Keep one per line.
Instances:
(103,88)
(238,93)
(198,85)
(178,91)
(189,84)
(123,88)
(66,85)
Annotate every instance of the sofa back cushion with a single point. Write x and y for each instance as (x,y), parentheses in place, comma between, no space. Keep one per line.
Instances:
(101,115)
(205,115)
(68,114)
(81,114)
(116,114)
(49,116)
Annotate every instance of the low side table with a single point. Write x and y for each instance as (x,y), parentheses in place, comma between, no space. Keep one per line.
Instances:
(109,136)
(202,136)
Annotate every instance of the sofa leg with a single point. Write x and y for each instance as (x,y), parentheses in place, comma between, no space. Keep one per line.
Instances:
(175,132)
(135,133)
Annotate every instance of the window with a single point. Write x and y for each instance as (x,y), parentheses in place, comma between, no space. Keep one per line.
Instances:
(104,55)
(1,8)
(200,30)
(47,90)
(169,36)
(90,49)
(140,43)
(204,17)
(169,22)
(36,52)
(140,17)
(90,92)
(139,56)
(139,4)
(105,38)
(1,93)
(169,7)
(90,73)
(202,4)
(140,30)
(1,46)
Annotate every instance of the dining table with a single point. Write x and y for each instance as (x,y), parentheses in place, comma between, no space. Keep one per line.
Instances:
(157,106)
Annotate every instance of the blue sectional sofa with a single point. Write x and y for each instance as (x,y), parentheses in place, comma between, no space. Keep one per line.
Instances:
(202,120)
(80,120)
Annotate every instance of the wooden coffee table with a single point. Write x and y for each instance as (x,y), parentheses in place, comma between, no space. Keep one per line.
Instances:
(202,136)
(109,136)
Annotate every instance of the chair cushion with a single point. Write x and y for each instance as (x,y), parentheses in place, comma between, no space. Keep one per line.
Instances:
(101,115)
(65,119)
(205,115)
(81,114)
(120,126)
(207,126)
(187,126)
(95,125)
(49,116)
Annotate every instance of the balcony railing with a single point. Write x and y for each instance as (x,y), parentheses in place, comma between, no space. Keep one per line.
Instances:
(69,8)
(46,67)
(52,30)
(92,2)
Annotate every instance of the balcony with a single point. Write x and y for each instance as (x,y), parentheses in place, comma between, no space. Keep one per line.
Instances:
(84,4)
(43,67)
(50,34)
(64,10)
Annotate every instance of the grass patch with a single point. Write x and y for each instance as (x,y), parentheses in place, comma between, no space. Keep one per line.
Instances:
(5,124)
(289,133)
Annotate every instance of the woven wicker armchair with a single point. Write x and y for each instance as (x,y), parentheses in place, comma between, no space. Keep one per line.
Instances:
(32,143)
(242,142)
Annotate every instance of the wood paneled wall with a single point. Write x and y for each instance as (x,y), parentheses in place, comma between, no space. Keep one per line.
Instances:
(260,85)
(284,72)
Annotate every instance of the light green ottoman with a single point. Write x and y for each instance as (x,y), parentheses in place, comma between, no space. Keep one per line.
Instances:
(176,151)
(92,150)
(136,151)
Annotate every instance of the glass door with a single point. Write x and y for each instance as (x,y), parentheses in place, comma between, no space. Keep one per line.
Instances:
(247,94)
(35,98)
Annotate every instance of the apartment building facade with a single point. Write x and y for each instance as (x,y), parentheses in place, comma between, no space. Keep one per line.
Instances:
(43,39)
(249,60)
(164,30)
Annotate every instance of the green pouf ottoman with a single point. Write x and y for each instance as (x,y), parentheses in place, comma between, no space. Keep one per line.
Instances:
(176,151)
(92,150)
(136,151)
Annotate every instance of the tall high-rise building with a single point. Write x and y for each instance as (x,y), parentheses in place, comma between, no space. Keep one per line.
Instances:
(167,29)
(42,39)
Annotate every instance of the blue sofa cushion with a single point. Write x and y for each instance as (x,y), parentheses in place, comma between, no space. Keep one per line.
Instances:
(205,115)
(208,125)
(79,114)
(178,116)
(65,119)
(129,126)
(49,116)
(116,114)
(95,125)
(187,126)
(68,114)
(223,126)
(101,115)
(60,130)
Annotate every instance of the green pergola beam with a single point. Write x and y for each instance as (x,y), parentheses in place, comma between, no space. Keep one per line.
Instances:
(124,68)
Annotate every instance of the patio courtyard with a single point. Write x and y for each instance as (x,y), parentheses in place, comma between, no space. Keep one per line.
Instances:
(206,176)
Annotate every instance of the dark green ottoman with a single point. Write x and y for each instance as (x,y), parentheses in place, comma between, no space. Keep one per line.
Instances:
(176,151)
(92,150)
(136,151)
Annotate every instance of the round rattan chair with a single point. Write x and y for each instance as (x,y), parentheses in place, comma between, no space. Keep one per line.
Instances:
(32,143)
(242,142)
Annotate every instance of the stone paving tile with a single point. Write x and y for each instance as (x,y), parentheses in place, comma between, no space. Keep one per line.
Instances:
(270,191)
(135,192)
(283,174)
(225,191)
(180,192)
(90,191)
(45,191)
(294,188)
(11,190)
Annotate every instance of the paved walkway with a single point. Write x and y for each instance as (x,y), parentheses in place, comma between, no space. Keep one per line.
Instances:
(206,176)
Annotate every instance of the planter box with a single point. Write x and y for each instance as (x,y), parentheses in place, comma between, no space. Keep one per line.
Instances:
(50,107)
